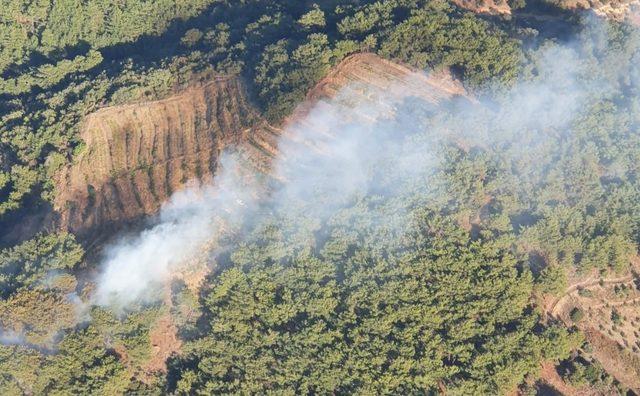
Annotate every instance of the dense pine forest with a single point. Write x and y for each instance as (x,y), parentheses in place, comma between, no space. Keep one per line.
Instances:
(435,270)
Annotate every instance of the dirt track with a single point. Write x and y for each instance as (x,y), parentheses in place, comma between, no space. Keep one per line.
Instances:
(586,283)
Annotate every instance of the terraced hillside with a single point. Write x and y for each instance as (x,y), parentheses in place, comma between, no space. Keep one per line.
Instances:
(377,73)
(136,155)
(606,311)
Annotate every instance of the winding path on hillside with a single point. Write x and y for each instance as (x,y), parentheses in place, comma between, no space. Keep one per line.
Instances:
(586,283)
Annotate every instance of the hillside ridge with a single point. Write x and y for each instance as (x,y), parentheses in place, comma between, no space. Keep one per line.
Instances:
(136,155)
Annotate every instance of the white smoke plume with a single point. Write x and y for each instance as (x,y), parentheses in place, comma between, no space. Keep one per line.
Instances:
(327,158)
(135,269)
(370,140)
(11,338)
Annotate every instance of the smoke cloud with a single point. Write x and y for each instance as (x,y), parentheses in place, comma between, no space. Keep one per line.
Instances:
(135,269)
(377,140)
(11,338)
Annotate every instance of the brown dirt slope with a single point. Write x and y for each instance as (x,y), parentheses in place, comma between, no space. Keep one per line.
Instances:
(136,155)
(491,7)
(358,80)
(394,78)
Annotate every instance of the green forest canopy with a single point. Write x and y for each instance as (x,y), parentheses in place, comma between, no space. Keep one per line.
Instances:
(341,305)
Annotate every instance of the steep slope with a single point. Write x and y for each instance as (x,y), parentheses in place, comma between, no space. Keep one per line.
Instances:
(491,7)
(137,155)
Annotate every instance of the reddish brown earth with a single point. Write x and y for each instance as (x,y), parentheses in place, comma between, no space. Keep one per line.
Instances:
(393,78)
(137,155)
(618,361)
(491,7)
(164,343)
(549,375)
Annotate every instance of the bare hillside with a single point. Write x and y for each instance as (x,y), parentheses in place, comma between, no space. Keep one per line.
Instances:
(136,155)
(491,7)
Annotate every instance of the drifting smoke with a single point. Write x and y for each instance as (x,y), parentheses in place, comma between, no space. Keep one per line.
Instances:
(11,338)
(327,158)
(135,268)
(377,140)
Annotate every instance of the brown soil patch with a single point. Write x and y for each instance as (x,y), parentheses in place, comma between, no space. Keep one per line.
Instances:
(122,354)
(491,7)
(164,344)
(620,363)
(137,155)
(550,376)
(366,78)
(392,78)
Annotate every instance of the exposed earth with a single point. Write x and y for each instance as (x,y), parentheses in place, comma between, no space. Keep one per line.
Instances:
(137,155)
